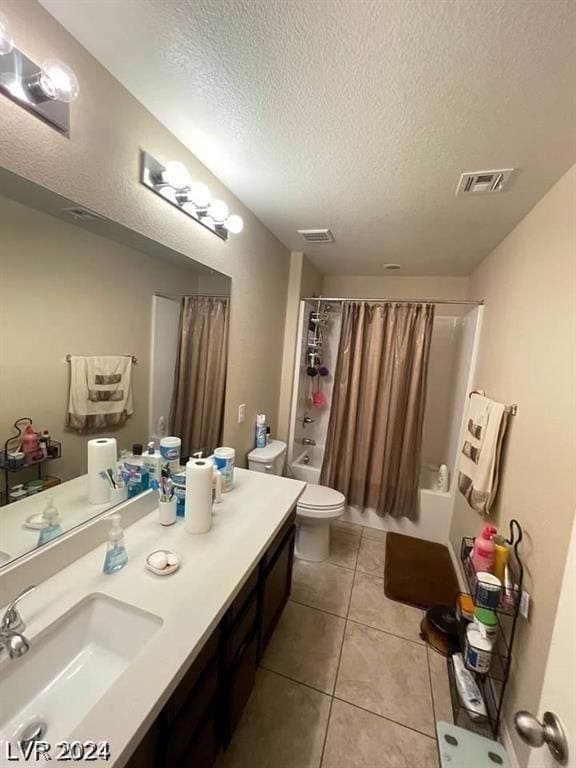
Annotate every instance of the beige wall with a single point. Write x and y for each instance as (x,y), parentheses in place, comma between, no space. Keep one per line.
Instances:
(68,291)
(527,356)
(375,287)
(98,167)
(304,280)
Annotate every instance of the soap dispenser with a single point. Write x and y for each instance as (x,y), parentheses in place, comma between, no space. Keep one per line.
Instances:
(51,527)
(116,555)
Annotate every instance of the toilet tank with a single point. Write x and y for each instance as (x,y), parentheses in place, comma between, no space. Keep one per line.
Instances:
(269,459)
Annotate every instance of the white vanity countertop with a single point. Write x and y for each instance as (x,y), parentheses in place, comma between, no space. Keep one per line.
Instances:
(190,602)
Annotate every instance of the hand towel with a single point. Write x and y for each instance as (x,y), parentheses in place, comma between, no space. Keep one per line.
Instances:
(100,391)
(479,468)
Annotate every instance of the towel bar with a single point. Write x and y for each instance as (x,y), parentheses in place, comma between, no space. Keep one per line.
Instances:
(134,358)
(511,409)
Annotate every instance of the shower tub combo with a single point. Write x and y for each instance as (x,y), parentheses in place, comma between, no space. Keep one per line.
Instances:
(434,507)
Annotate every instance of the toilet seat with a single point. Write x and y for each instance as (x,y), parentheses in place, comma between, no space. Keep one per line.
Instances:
(318,501)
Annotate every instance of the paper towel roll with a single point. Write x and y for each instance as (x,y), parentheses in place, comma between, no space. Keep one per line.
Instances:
(102,455)
(198,508)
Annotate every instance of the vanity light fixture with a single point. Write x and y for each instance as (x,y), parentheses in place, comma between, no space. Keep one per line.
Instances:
(172,182)
(45,90)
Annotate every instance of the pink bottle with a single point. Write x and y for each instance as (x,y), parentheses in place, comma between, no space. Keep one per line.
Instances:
(483,552)
(31,445)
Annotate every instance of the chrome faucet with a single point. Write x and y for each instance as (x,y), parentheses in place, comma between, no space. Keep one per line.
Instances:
(11,628)
(308,441)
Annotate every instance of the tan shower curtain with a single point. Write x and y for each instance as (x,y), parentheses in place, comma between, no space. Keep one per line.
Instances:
(375,430)
(197,411)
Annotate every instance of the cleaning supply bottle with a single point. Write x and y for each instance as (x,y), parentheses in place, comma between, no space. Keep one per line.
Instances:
(116,555)
(483,552)
(152,461)
(51,527)
(501,553)
(261,430)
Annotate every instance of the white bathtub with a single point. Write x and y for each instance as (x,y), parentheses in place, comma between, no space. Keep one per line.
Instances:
(434,508)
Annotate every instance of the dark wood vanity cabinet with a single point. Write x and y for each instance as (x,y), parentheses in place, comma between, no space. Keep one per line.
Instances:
(204,710)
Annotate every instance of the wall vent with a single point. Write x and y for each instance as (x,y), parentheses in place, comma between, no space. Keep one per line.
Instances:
(317,235)
(480,182)
(81,214)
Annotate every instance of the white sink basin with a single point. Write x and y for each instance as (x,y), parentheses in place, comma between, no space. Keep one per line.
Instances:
(70,666)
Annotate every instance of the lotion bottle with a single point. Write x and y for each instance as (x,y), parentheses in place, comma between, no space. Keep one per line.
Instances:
(483,552)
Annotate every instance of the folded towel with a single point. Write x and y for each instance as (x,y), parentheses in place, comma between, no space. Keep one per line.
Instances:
(486,424)
(100,391)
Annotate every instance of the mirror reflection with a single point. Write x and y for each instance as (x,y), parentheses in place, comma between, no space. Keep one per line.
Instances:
(111,345)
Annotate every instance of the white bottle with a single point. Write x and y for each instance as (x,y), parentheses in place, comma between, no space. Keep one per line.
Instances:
(443,478)
(152,460)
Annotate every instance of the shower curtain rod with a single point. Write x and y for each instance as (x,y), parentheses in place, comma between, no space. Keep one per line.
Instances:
(396,301)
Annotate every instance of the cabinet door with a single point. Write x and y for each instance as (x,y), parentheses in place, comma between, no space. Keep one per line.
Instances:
(205,745)
(240,681)
(276,587)
(146,754)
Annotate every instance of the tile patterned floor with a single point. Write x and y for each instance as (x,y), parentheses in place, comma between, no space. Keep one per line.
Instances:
(346,681)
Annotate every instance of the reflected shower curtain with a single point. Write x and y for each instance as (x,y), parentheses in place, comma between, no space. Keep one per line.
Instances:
(197,412)
(375,430)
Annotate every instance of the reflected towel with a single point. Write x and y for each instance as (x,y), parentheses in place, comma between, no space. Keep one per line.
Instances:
(479,468)
(100,391)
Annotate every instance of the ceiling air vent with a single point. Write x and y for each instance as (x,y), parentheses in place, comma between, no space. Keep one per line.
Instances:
(81,214)
(480,182)
(317,235)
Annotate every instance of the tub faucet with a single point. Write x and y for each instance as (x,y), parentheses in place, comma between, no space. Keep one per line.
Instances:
(308,441)
(12,627)
(307,420)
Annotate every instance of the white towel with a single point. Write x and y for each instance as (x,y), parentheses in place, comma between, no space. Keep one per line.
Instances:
(100,391)
(486,423)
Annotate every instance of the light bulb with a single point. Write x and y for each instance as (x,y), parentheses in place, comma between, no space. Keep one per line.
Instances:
(218,211)
(234,224)
(6,42)
(58,82)
(176,175)
(199,195)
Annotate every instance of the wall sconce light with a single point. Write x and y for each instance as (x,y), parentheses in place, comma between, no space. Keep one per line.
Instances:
(45,90)
(173,182)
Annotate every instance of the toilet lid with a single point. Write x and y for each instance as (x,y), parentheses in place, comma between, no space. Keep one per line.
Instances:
(321,497)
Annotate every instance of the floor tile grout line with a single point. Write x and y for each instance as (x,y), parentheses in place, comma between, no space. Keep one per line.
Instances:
(387,632)
(383,717)
(431,686)
(294,680)
(315,608)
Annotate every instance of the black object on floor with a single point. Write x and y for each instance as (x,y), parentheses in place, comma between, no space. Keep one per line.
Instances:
(419,572)
(439,628)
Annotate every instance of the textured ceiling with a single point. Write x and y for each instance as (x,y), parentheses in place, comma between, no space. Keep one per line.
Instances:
(357,116)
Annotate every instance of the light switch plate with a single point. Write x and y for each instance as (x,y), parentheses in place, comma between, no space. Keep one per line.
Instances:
(242,413)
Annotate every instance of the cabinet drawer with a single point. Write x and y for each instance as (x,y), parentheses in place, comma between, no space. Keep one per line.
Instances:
(206,656)
(272,550)
(242,597)
(200,701)
(242,628)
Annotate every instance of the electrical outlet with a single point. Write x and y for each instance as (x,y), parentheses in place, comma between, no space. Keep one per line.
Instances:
(242,413)
(524,604)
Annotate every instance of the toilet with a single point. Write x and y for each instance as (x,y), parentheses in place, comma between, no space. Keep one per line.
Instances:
(316,509)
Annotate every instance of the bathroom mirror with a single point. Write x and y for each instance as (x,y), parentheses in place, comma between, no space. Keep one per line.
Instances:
(79,293)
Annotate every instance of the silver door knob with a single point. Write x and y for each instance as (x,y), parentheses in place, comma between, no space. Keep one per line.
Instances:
(549,731)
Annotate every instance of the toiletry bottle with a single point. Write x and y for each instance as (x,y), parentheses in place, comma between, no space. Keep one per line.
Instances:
(483,552)
(51,527)
(261,430)
(152,461)
(116,555)
(31,445)
(139,477)
(500,556)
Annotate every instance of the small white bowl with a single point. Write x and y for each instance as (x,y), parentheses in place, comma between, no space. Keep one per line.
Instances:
(169,568)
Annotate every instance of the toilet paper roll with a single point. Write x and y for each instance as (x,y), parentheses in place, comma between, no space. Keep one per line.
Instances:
(198,508)
(102,455)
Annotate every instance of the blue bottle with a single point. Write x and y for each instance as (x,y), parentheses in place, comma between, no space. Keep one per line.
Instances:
(116,555)
(51,527)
